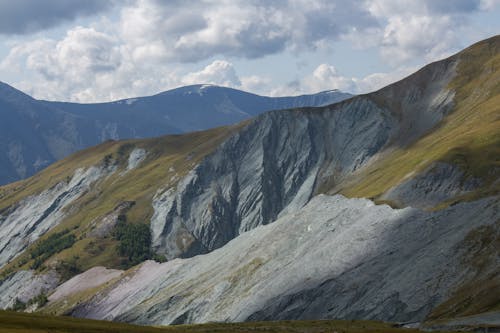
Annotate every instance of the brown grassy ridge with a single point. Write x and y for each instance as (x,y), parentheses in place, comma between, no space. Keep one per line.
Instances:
(14,322)
(168,159)
(468,137)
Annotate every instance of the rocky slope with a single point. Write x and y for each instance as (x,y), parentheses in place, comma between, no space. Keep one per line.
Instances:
(349,259)
(425,141)
(35,133)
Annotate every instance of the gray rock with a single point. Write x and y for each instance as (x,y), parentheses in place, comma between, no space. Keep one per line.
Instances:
(136,157)
(438,183)
(89,279)
(25,285)
(280,160)
(275,164)
(103,226)
(26,221)
(334,258)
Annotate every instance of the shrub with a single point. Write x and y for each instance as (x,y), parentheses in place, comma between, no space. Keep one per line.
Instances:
(160,258)
(40,300)
(68,269)
(53,244)
(18,305)
(134,241)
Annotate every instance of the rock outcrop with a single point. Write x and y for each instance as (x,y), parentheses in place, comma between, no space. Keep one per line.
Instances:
(334,258)
(272,165)
(24,222)
(25,285)
(436,184)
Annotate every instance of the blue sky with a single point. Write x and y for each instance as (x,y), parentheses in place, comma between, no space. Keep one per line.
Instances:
(102,50)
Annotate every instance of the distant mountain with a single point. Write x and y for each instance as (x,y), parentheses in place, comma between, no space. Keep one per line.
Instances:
(36,133)
(382,206)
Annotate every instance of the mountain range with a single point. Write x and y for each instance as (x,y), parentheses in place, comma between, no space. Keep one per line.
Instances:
(383,206)
(34,133)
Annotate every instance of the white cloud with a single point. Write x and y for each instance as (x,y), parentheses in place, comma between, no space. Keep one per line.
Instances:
(219,72)
(84,66)
(256,84)
(489,4)
(326,77)
(174,31)
(427,29)
(152,45)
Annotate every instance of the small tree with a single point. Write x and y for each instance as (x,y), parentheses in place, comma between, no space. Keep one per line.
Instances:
(18,305)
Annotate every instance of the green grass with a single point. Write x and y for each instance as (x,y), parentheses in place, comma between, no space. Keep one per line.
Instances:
(14,322)
(168,156)
(468,137)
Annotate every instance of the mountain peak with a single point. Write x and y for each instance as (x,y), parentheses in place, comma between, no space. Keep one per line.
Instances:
(8,92)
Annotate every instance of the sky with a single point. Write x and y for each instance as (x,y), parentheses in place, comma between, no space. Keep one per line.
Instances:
(103,50)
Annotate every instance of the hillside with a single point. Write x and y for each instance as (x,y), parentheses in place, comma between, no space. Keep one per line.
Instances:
(34,134)
(238,215)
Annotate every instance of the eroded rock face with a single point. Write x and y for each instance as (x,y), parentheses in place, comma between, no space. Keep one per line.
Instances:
(438,183)
(279,161)
(33,216)
(334,258)
(25,285)
(136,157)
(103,226)
(91,278)
(273,165)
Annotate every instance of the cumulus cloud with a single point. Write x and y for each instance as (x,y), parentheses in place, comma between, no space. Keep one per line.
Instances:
(161,30)
(27,16)
(153,45)
(219,72)
(71,67)
(427,29)
(327,77)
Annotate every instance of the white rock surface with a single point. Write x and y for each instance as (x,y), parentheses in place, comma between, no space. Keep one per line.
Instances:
(30,218)
(91,278)
(278,162)
(137,155)
(25,285)
(335,258)
(273,165)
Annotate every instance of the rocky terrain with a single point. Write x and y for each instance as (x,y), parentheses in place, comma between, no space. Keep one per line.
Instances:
(281,216)
(349,259)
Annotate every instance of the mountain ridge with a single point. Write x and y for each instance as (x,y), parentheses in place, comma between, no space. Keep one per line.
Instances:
(36,133)
(205,195)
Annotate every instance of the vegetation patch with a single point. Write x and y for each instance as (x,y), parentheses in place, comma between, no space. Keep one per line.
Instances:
(39,301)
(165,164)
(134,242)
(51,245)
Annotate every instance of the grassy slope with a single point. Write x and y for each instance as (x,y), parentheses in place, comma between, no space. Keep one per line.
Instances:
(13,322)
(468,137)
(168,159)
